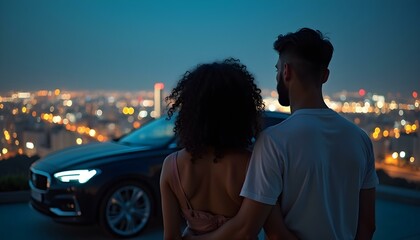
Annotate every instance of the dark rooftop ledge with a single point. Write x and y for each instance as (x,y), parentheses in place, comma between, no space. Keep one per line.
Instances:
(15,196)
(396,194)
(403,195)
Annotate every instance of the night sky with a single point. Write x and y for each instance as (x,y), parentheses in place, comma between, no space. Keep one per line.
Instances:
(130,45)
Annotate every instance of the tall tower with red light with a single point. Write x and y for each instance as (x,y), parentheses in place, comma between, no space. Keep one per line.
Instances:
(362,92)
(158,99)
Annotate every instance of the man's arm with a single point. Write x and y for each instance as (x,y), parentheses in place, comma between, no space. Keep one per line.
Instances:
(245,225)
(275,228)
(366,225)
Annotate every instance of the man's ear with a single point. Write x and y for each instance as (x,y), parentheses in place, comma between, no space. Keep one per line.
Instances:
(287,72)
(325,76)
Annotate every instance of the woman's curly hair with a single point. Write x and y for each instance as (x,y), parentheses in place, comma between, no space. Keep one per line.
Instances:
(219,106)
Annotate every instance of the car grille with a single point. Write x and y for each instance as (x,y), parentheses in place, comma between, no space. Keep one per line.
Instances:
(40,180)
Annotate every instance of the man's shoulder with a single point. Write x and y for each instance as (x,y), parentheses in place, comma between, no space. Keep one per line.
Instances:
(281,127)
(354,130)
(353,126)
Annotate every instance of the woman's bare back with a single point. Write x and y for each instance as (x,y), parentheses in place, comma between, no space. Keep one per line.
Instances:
(214,186)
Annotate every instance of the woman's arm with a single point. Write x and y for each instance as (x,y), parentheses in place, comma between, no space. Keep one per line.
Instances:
(275,228)
(170,207)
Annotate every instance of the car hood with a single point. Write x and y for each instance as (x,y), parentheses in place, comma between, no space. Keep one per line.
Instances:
(82,154)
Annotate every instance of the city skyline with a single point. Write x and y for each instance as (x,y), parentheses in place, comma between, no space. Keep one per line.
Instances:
(37,123)
(114,45)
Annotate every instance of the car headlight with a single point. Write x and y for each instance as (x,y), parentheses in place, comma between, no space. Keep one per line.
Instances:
(80,176)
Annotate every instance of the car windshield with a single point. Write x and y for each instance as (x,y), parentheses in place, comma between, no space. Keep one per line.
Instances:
(154,134)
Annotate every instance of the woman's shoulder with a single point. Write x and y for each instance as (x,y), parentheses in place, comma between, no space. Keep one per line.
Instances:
(178,156)
(168,165)
(171,157)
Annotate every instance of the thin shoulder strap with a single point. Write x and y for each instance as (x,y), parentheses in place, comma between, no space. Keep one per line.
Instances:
(178,180)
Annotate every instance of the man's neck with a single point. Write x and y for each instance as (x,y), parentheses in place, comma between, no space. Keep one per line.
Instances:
(307,100)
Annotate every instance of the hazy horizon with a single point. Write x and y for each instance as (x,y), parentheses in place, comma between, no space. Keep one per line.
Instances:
(130,45)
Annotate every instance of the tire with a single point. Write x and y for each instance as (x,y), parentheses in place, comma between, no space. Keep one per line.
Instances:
(126,209)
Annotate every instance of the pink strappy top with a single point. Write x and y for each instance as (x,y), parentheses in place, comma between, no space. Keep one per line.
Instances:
(198,222)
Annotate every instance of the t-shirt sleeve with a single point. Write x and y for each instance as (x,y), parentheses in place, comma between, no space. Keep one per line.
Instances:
(263,182)
(370,179)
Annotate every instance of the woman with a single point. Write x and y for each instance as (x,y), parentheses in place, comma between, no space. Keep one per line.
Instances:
(219,108)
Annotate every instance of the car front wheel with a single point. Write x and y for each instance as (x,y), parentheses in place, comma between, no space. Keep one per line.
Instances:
(126,209)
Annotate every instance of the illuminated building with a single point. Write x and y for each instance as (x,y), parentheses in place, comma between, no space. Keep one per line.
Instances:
(415,159)
(158,99)
(34,142)
(60,138)
(407,143)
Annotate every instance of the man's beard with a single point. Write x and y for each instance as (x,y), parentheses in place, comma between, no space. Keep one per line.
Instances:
(283,93)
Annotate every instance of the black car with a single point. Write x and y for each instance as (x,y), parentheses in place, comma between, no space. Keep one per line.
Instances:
(115,184)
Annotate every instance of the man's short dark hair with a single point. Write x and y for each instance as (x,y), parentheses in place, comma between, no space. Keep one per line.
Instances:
(308,46)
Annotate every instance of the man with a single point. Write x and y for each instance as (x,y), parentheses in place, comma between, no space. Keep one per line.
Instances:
(317,165)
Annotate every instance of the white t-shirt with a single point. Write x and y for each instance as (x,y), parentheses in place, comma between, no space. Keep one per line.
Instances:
(315,163)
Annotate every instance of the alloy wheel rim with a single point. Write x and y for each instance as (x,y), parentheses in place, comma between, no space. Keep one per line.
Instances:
(128,210)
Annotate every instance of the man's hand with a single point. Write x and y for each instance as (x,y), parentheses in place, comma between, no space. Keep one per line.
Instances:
(245,225)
